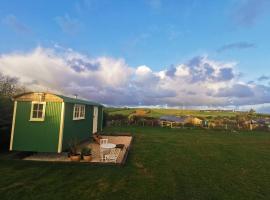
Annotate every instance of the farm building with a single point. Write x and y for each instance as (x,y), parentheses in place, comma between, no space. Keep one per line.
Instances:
(194,121)
(170,118)
(45,122)
(172,121)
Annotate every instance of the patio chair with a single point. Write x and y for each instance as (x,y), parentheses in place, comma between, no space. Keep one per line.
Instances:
(113,155)
(102,156)
(103,141)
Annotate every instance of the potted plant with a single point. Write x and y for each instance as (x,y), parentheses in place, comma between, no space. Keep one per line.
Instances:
(86,153)
(73,151)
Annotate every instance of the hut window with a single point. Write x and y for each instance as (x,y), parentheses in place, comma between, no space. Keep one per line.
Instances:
(78,112)
(37,111)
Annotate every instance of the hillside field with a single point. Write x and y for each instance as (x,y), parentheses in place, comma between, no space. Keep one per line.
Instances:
(157,112)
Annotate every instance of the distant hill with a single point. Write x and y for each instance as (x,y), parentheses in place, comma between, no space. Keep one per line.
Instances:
(156,112)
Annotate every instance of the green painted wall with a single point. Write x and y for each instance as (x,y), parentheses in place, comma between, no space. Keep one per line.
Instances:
(37,136)
(100,118)
(77,129)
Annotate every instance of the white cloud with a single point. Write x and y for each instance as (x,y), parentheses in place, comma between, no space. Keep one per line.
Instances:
(143,70)
(199,82)
(56,72)
(182,70)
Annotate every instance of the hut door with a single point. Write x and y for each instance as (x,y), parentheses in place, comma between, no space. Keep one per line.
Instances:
(95,119)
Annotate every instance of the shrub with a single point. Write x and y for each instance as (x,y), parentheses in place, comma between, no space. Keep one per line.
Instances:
(105,118)
(189,125)
(73,147)
(86,151)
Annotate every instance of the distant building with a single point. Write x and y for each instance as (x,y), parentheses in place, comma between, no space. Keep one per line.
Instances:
(194,121)
(180,120)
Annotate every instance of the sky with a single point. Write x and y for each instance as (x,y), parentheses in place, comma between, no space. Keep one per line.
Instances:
(175,53)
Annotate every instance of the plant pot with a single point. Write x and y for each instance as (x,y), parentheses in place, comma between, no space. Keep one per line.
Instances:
(87,157)
(75,158)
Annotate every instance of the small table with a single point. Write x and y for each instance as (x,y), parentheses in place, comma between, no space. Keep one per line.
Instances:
(108,146)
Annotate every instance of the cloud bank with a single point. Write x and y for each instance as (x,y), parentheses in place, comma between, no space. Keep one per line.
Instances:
(200,81)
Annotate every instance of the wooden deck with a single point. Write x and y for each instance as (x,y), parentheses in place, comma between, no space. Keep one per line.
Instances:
(126,140)
(63,157)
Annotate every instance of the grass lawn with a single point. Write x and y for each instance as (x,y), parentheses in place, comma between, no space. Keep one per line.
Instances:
(162,164)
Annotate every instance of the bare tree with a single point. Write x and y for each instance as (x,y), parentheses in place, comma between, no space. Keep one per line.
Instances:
(9,86)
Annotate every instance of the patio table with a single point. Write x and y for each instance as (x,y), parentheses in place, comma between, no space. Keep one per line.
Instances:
(108,146)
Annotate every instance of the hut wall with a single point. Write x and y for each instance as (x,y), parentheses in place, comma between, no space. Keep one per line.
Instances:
(76,129)
(39,136)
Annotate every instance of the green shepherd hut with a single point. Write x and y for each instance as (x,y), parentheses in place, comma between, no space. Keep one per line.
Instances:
(45,122)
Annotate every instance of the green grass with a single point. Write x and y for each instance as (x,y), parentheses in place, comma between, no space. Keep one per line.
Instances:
(162,164)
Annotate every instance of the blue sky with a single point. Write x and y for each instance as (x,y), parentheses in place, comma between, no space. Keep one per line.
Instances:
(158,34)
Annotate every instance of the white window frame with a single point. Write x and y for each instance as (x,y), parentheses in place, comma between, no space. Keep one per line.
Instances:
(78,114)
(43,111)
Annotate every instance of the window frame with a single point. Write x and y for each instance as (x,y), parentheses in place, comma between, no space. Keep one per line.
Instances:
(78,111)
(43,111)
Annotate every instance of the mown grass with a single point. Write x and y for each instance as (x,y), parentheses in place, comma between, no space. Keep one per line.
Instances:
(162,164)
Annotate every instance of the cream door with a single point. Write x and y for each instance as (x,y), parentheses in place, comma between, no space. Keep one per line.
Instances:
(95,119)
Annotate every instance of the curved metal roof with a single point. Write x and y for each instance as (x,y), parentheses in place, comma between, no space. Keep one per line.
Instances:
(78,101)
(64,98)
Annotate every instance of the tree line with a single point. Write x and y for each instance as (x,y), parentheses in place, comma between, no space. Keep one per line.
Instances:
(9,86)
